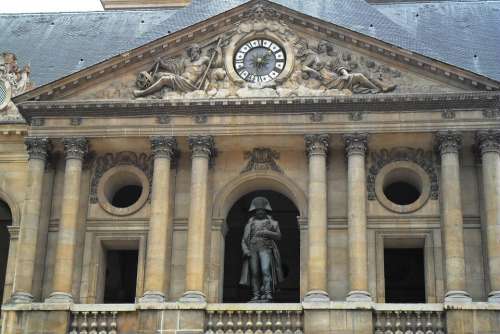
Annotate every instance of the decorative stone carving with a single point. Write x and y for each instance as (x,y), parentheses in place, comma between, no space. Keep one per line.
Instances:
(326,68)
(191,73)
(356,143)
(356,116)
(448,114)
(488,141)
(308,66)
(262,158)
(75,121)
(164,147)
(317,144)
(493,112)
(18,79)
(75,148)
(13,82)
(37,147)
(203,145)
(316,117)
(200,119)
(448,142)
(425,159)
(163,119)
(109,160)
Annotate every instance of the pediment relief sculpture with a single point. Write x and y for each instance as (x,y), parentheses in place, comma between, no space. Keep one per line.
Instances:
(257,63)
(13,81)
(263,56)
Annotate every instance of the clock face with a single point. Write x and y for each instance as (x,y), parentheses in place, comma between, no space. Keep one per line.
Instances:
(259,60)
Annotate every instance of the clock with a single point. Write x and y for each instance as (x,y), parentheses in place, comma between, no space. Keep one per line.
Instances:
(259,61)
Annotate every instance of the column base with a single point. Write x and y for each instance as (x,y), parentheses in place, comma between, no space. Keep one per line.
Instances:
(317,296)
(193,297)
(457,297)
(494,297)
(21,298)
(59,297)
(152,297)
(358,296)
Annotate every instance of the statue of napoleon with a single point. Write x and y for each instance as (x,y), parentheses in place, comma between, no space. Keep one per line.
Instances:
(261,259)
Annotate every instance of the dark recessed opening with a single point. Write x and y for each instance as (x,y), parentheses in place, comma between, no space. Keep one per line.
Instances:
(126,196)
(402,193)
(5,222)
(285,213)
(404,275)
(121,276)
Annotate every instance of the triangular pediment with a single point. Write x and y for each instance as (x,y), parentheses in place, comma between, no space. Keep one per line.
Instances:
(260,49)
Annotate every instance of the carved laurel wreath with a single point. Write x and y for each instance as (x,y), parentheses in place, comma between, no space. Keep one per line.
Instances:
(424,159)
(107,161)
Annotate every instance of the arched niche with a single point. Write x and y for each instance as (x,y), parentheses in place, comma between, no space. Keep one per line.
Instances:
(258,180)
(285,212)
(5,222)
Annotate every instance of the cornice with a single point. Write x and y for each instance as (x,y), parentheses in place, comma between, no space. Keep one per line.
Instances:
(364,103)
(355,40)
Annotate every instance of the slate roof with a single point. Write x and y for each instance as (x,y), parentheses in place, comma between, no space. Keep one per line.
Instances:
(58,44)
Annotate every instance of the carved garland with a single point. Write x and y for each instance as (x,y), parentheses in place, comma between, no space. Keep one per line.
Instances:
(107,161)
(424,159)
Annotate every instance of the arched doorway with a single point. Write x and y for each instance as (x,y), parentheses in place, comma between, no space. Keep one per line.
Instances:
(5,222)
(286,213)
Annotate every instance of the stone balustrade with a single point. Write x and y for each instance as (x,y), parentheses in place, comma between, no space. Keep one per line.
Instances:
(97,318)
(248,319)
(409,319)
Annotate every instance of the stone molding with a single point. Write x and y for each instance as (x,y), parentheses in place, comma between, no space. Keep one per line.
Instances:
(38,147)
(163,147)
(424,159)
(262,158)
(75,148)
(448,142)
(356,143)
(340,104)
(488,141)
(317,144)
(107,161)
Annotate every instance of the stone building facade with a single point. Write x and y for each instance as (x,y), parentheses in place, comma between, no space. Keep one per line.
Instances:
(125,186)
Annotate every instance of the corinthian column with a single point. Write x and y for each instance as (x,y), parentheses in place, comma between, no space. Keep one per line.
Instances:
(75,150)
(356,146)
(202,148)
(160,223)
(449,144)
(317,149)
(489,144)
(30,220)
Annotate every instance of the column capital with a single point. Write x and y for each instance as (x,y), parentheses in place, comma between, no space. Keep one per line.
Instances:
(356,143)
(202,145)
(317,144)
(163,147)
(448,141)
(75,147)
(38,147)
(488,141)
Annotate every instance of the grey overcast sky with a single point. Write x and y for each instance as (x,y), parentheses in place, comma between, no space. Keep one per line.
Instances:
(36,6)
